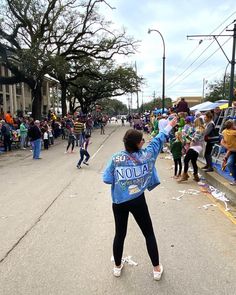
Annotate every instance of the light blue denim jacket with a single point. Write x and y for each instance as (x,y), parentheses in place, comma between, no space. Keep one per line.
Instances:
(130,174)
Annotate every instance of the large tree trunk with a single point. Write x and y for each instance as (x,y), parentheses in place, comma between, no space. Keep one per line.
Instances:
(37,101)
(63,98)
(84,108)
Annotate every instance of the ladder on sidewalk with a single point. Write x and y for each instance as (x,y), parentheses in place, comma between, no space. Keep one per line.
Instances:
(218,150)
(229,113)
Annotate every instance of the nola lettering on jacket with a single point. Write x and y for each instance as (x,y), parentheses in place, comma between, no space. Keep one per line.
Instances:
(128,173)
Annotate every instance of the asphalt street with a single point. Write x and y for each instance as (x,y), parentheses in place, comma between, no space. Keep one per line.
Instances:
(56,229)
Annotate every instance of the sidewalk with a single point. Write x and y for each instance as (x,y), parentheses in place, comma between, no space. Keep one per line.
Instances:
(19,154)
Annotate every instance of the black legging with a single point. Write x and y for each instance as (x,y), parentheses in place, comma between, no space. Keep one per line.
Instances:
(82,154)
(192,156)
(207,155)
(178,164)
(72,143)
(7,143)
(139,209)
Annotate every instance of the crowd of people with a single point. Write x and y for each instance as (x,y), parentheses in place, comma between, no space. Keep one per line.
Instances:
(23,132)
(195,134)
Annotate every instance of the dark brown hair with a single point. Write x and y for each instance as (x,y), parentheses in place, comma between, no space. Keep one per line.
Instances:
(209,115)
(131,140)
(229,124)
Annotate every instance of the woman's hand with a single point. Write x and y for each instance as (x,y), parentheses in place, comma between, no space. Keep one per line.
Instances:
(173,122)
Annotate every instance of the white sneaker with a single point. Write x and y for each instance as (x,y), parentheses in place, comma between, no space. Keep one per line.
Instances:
(117,271)
(157,274)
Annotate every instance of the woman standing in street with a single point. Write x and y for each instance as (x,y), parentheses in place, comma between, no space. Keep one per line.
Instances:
(196,146)
(209,132)
(130,173)
(71,141)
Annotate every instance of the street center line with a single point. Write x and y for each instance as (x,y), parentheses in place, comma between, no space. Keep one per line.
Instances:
(93,156)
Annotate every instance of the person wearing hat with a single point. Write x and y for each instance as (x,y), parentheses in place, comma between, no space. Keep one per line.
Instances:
(35,136)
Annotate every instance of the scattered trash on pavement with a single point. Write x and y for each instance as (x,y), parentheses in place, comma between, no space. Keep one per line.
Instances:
(207,206)
(73,196)
(127,260)
(219,196)
(186,192)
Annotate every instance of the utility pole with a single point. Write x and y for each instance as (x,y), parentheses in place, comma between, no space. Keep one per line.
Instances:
(135,65)
(232,62)
(142,103)
(131,102)
(231,89)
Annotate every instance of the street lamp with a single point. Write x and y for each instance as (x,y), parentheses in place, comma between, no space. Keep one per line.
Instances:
(163,69)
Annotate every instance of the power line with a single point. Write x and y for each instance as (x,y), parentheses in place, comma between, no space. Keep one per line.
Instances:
(224,22)
(190,65)
(168,85)
(200,42)
(216,72)
(201,63)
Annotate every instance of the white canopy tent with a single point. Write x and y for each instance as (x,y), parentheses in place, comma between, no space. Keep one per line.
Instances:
(208,105)
(201,106)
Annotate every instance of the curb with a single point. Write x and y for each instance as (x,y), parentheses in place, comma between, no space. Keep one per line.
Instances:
(15,152)
(221,184)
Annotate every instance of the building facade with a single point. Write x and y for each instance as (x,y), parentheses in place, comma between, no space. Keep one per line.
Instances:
(17,98)
(191,100)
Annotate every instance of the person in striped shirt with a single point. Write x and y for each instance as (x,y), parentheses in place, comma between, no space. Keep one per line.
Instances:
(79,132)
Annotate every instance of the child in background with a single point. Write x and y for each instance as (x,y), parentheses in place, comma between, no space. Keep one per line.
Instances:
(46,139)
(229,142)
(50,135)
(84,152)
(176,150)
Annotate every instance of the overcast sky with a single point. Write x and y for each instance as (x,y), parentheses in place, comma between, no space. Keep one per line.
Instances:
(175,20)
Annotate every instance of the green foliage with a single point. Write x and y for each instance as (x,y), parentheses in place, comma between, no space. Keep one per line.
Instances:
(156,103)
(113,107)
(102,79)
(219,89)
(54,37)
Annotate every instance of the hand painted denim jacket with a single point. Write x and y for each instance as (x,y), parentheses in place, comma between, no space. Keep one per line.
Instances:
(130,174)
